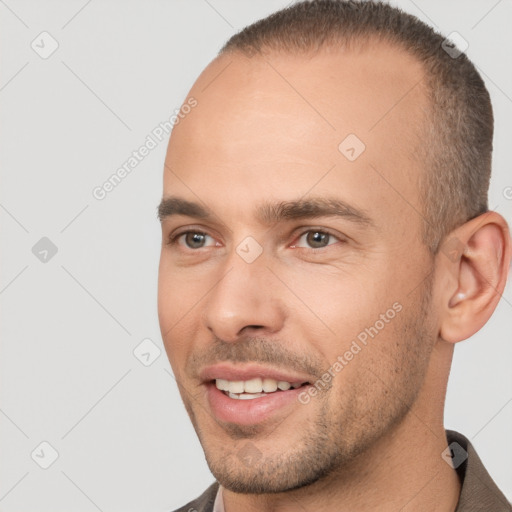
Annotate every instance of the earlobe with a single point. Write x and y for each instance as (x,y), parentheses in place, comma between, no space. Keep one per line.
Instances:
(477,275)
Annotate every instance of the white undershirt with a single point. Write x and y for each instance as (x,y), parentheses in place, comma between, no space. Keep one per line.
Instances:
(218,505)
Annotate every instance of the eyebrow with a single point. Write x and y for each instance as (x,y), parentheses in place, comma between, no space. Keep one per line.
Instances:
(272,212)
(170,206)
(310,208)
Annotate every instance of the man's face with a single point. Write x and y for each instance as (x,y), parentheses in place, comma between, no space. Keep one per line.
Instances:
(296,254)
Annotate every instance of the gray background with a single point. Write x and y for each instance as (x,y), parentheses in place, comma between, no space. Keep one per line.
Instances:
(70,325)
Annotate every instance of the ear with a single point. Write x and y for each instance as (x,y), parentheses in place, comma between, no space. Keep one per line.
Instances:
(474,260)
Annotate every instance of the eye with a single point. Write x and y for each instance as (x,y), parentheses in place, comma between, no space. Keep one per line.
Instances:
(194,240)
(315,239)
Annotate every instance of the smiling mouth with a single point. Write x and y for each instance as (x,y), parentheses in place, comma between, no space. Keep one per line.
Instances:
(254,388)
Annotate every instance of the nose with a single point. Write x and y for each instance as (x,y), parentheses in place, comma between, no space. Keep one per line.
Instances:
(245,300)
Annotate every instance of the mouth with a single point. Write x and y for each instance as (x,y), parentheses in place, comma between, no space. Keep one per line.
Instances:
(255,388)
(251,394)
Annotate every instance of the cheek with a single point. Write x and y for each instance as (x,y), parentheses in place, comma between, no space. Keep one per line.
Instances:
(180,290)
(179,304)
(350,319)
(334,303)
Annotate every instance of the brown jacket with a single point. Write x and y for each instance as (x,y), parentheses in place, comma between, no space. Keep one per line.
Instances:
(479,493)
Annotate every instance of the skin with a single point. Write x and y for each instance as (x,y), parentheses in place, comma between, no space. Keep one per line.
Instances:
(267,128)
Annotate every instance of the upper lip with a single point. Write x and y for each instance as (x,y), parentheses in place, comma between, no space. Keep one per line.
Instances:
(244,372)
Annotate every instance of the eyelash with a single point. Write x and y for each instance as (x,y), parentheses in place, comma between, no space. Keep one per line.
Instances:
(173,239)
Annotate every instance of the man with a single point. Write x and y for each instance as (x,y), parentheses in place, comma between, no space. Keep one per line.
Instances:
(326,242)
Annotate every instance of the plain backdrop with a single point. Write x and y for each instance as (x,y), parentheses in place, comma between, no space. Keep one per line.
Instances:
(117,437)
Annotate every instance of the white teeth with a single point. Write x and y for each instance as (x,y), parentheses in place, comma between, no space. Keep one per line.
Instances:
(222,384)
(254,387)
(236,386)
(269,385)
(249,396)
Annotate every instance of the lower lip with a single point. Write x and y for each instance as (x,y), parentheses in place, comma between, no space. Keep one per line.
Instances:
(249,412)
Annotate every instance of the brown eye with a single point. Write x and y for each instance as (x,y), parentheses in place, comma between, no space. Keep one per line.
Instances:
(317,239)
(195,239)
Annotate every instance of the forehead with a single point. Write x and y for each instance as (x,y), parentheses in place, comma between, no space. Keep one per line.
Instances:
(276,124)
(339,88)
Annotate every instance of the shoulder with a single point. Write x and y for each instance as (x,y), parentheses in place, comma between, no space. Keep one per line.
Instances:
(479,493)
(203,503)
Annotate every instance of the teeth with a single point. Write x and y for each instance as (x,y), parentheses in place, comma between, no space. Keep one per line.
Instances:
(245,396)
(269,385)
(222,384)
(254,387)
(236,386)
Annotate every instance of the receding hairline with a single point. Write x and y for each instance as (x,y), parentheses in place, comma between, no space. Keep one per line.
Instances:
(351,42)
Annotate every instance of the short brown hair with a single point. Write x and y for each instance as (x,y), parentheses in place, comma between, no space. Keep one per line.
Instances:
(457,147)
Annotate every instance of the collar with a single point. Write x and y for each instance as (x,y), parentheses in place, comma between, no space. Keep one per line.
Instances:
(478,492)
